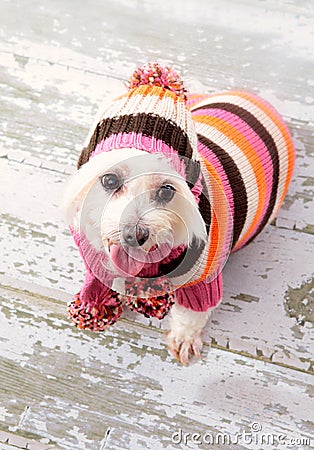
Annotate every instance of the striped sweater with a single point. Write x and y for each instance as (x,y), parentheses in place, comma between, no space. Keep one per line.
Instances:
(246,147)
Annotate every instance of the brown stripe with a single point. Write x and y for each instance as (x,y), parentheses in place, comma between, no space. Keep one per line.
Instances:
(236,184)
(269,142)
(147,124)
(185,262)
(204,206)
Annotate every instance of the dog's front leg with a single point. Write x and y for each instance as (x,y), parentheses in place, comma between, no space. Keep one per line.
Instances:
(184,338)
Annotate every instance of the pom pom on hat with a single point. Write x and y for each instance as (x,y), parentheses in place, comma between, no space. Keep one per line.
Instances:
(154,74)
(94,317)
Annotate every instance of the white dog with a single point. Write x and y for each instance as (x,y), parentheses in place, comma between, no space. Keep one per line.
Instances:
(140,211)
(130,198)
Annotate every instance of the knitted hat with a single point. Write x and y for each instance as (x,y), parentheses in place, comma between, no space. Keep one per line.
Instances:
(151,116)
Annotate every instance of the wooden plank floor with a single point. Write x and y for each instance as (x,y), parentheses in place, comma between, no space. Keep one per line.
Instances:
(61,388)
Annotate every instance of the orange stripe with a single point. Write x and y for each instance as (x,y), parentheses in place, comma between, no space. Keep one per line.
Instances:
(217,202)
(278,121)
(239,139)
(217,229)
(214,239)
(156,91)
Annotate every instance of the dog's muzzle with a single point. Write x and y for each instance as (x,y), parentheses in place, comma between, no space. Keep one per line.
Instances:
(135,235)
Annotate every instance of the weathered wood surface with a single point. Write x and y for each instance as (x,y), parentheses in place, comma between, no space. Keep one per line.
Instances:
(125,381)
(61,388)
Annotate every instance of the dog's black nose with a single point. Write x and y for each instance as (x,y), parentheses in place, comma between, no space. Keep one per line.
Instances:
(135,235)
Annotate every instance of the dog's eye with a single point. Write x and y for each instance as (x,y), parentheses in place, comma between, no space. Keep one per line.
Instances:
(165,193)
(111,181)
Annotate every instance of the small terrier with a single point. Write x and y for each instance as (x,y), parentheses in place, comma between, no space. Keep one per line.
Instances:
(168,185)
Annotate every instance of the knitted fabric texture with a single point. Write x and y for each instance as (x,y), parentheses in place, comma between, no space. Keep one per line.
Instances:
(234,150)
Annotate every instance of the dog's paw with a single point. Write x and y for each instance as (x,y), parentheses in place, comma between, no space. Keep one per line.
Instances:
(185,347)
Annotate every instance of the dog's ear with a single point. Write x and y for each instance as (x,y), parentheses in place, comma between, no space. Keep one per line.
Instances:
(79,186)
(74,195)
(188,208)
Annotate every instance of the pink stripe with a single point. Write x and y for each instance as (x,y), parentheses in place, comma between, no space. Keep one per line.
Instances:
(140,142)
(148,144)
(196,99)
(212,158)
(255,141)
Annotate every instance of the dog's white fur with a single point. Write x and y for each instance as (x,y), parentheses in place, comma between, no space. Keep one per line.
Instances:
(101,215)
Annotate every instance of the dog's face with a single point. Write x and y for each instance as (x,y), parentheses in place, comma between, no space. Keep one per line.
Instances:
(134,206)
